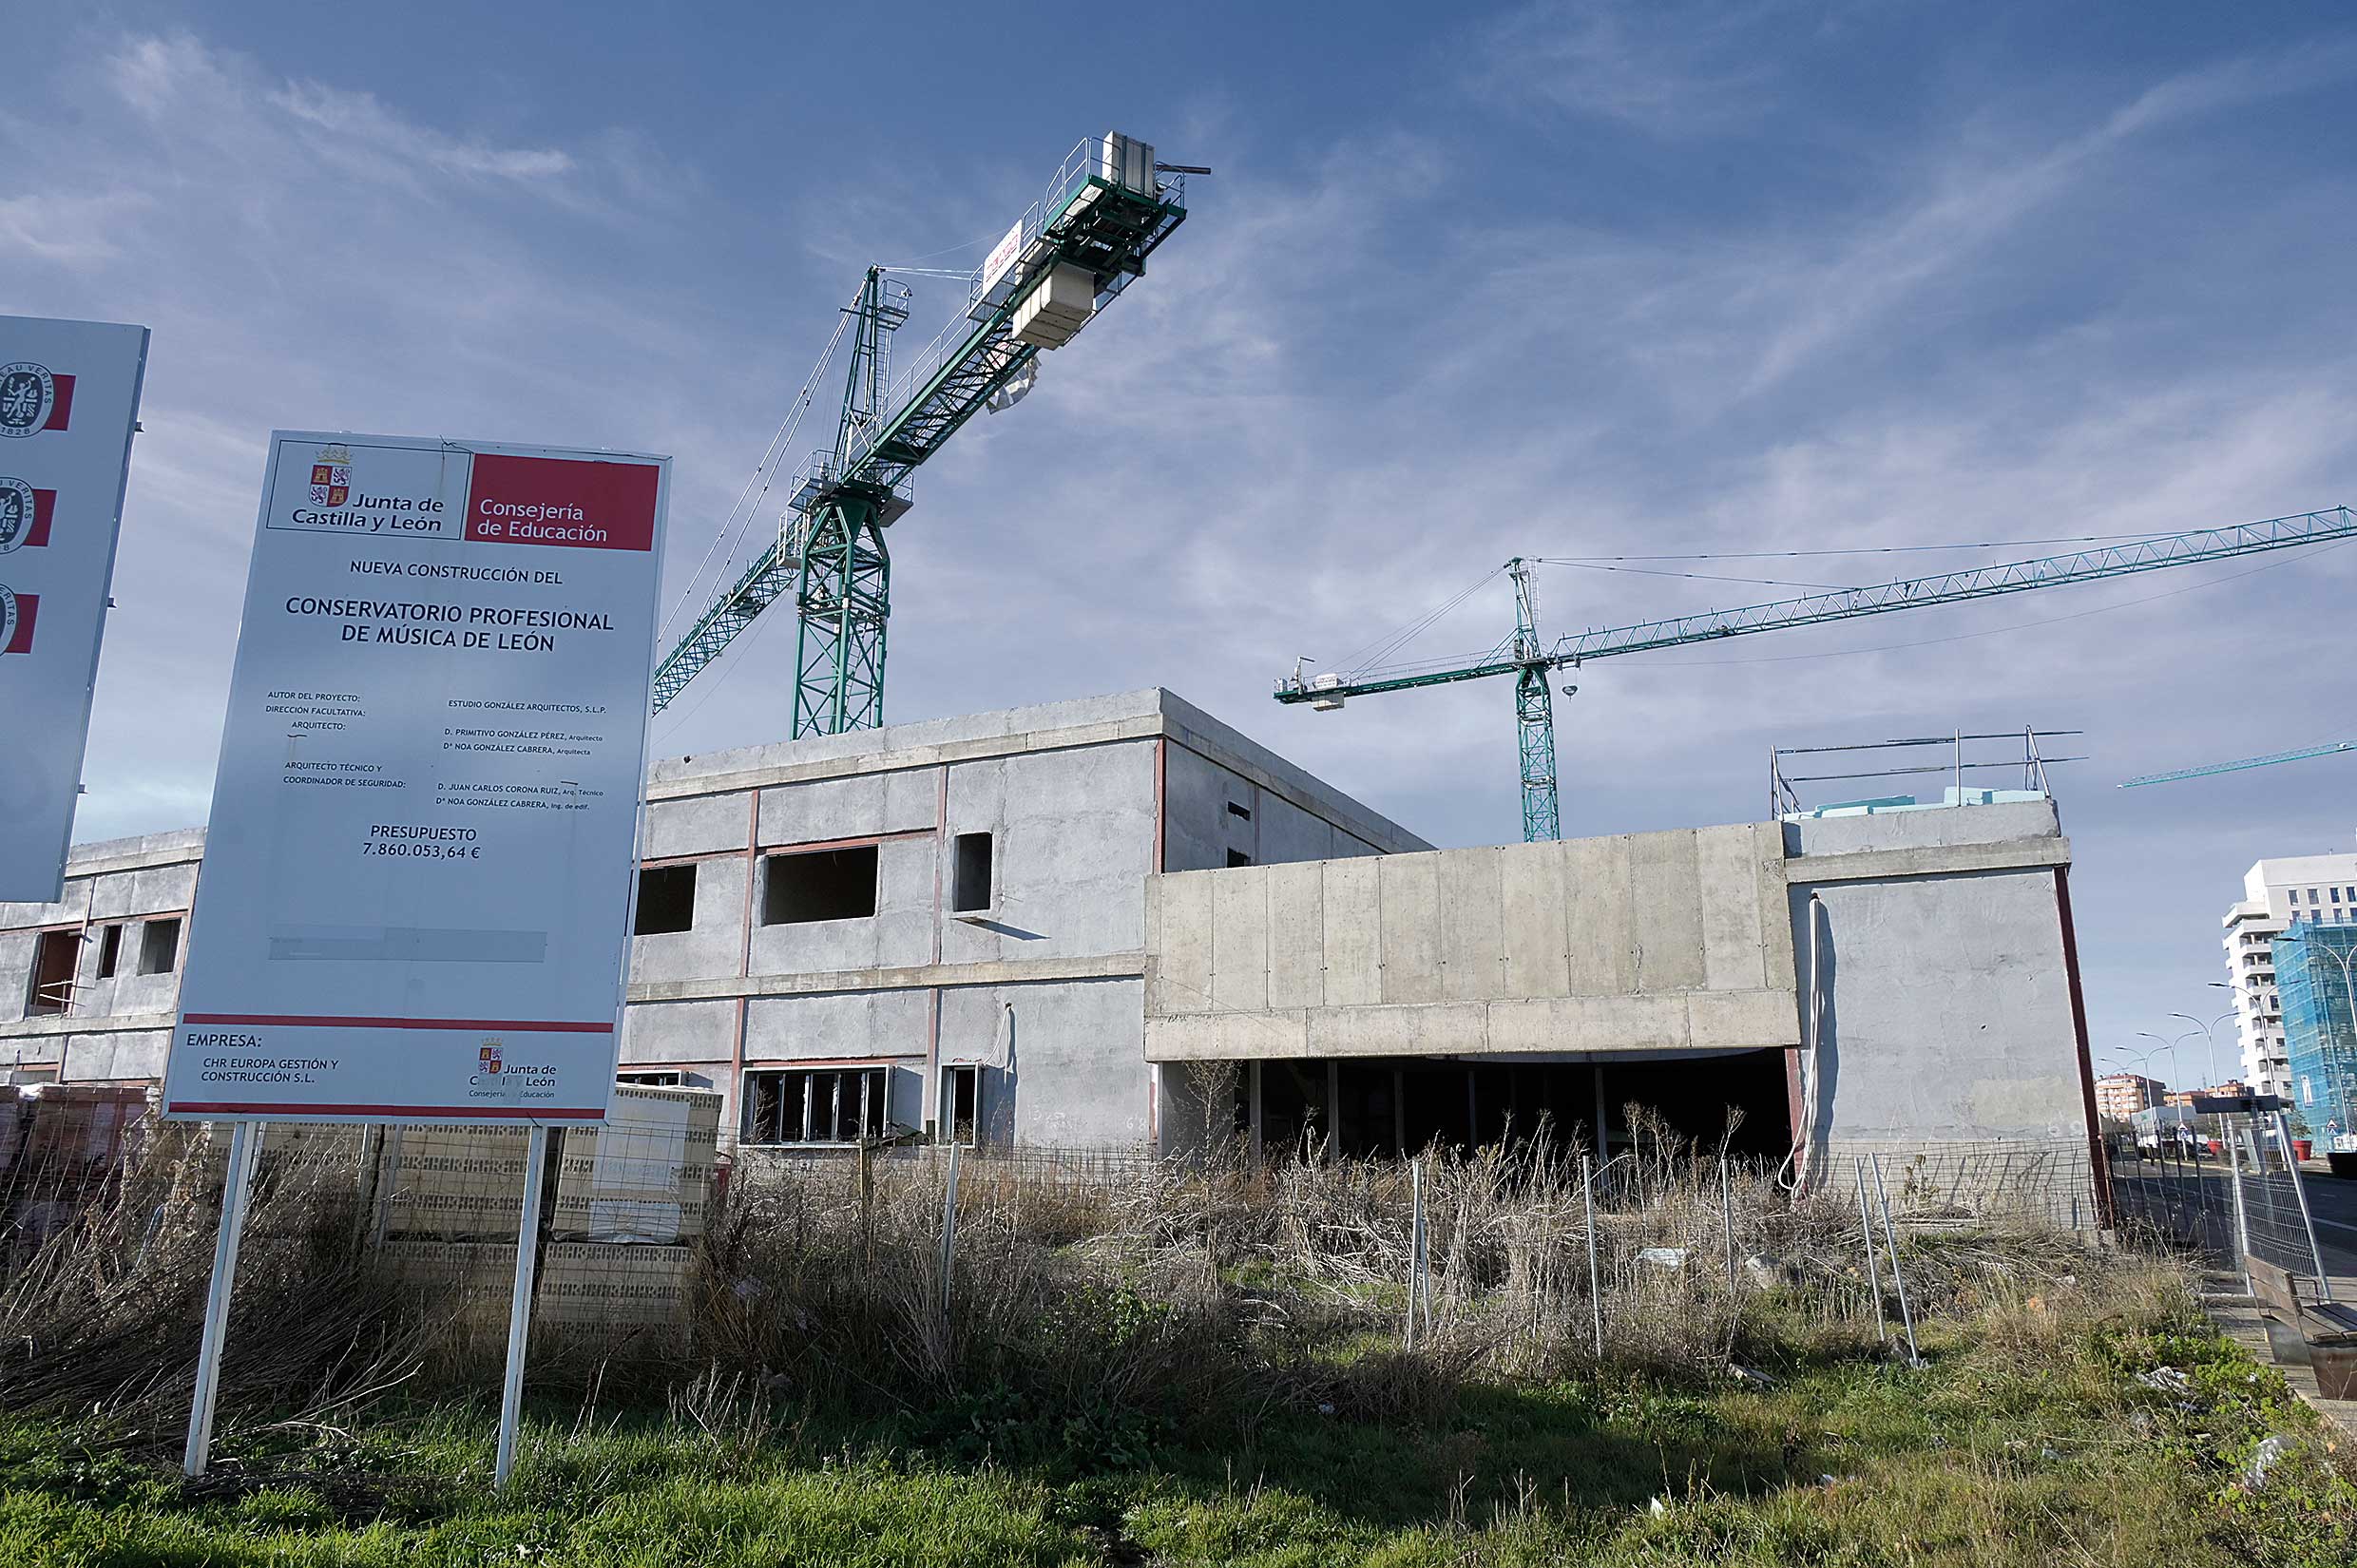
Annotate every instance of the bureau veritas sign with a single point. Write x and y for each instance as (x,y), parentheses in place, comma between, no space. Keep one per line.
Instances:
(68,402)
(423,849)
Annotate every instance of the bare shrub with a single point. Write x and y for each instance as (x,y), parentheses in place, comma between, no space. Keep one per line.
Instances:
(106,1313)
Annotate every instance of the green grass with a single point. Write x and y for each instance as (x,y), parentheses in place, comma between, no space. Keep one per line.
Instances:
(2027,1440)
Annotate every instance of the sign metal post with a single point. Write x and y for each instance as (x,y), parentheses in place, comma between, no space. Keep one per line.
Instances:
(236,1185)
(520,1305)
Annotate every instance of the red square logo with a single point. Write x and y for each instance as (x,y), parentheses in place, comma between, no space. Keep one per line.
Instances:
(582,503)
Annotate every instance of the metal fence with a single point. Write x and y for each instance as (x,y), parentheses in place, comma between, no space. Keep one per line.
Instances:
(2243,1195)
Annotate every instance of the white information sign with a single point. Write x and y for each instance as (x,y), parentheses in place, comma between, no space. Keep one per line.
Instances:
(1002,257)
(422,859)
(69,401)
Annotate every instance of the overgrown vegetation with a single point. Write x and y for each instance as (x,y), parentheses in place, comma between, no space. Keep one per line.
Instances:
(1200,1366)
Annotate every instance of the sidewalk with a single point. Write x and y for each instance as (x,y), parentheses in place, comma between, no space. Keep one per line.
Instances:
(2237,1316)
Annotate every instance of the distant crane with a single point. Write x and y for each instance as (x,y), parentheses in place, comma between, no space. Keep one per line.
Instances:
(1066,257)
(1530,662)
(2267,762)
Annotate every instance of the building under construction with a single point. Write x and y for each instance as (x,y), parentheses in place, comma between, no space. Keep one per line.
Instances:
(1118,922)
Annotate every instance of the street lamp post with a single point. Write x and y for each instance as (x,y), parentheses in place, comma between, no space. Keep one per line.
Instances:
(2211,1039)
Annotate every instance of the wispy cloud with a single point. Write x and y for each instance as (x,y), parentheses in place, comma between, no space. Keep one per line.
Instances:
(1672,69)
(358,118)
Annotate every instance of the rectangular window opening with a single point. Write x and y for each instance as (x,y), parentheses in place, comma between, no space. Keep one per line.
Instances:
(109,951)
(159,947)
(970,887)
(814,885)
(961,1105)
(666,899)
(819,1106)
(1234,810)
(55,957)
(1237,857)
(651,1080)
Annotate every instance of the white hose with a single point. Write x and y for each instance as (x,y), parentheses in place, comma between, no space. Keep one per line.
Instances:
(1801,1164)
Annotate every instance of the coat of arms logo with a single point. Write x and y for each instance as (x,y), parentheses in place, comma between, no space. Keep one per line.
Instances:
(8,618)
(487,1059)
(331,476)
(27,393)
(16,513)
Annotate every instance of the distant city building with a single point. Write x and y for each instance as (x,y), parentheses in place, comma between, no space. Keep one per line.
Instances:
(2234,1088)
(2318,966)
(2120,1096)
(2317,890)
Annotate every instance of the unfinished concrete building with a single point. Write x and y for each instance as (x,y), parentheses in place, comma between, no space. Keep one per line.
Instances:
(1118,921)
(1897,978)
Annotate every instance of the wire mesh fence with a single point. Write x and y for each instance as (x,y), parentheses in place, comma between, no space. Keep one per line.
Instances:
(2219,1197)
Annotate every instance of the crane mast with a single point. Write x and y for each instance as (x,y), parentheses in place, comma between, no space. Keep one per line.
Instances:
(1530,662)
(1107,207)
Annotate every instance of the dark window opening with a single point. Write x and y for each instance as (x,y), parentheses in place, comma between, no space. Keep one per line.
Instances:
(819,884)
(109,951)
(970,888)
(53,960)
(1237,857)
(826,1106)
(159,947)
(1234,810)
(646,1079)
(961,1094)
(1400,1105)
(666,899)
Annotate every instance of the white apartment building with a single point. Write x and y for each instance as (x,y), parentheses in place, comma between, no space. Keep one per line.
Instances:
(2319,889)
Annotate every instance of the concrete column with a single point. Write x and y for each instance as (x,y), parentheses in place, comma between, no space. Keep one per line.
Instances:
(1253,1076)
(1333,1109)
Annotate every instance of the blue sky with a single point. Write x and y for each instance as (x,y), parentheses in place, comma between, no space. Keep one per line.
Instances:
(1573,279)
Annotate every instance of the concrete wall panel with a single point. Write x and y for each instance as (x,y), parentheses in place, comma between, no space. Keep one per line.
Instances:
(661,1034)
(1472,926)
(1239,941)
(118,1056)
(1602,917)
(1182,960)
(1411,937)
(1353,930)
(1665,883)
(154,889)
(837,1027)
(1227,1037)
(1296,936)
(1536,905)
(862,806)
(1727,865)
(698,825)
(1428,1030)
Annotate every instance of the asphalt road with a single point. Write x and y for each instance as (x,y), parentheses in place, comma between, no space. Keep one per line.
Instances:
(2332,1204)
(2332,1201)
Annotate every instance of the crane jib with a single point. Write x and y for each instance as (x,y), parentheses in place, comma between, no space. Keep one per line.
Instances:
(2184,549)
(1104,212)
(1536,721)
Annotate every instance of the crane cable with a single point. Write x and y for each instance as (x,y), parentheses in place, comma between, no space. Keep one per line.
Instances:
(769,457)
(1383,646)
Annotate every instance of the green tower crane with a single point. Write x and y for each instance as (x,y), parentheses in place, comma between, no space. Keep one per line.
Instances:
(1070,254)
(1530,662)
